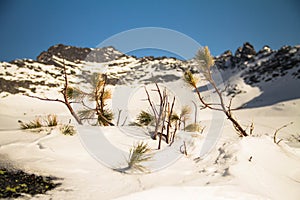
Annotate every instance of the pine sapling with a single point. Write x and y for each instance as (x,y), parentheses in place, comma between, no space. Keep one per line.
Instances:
(205,62)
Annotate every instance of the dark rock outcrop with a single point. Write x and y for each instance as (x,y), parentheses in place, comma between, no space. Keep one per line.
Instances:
(16,183)
(77,54)
(265,65)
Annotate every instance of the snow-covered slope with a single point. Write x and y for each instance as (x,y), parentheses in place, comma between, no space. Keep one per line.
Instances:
(276,73)
(236,168)
(266,69)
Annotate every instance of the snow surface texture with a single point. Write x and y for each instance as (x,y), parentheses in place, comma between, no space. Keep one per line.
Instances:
(236,168)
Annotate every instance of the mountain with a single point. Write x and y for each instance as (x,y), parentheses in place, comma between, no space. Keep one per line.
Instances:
(45,73)
(218,163)
(275,72)
(264,69)
(77,54)
(264,65)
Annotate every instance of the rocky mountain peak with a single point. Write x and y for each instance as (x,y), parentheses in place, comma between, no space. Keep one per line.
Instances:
(265,49)
(76,54)
(246,51)
(226,54)
(265,65)
(70,53)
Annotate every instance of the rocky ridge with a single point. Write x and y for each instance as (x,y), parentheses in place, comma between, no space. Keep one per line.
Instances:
(77,54)
(264,65)
(45,73)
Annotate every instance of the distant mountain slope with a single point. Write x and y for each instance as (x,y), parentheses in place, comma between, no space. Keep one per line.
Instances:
(45,73)
(265,65)
(275,72)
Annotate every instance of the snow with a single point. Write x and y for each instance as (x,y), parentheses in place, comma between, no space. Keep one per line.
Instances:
(233,168)
(277,177)
(273,172)
(179,193)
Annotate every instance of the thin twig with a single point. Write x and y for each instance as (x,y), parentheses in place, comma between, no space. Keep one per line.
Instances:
(277,130)
(124,121)
(119,115)
(170,113)
(44,99)
(158,90)
(151,105)
(183,151)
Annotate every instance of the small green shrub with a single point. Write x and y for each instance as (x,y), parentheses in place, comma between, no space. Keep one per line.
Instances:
(51,120)
(138,154)
(145,118)
(68,129)
(194,127)
(36,123)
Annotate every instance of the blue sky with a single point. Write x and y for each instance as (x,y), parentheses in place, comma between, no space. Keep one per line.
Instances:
(28,27)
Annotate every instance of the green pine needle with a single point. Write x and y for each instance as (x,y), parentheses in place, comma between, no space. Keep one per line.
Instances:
(145,118)
(86,113)
(194,127)
(68,129)
(190,79)
(138,154)
(107,116)
(36,123)
(186,110)
(74,93)
(205,62)
(51,120)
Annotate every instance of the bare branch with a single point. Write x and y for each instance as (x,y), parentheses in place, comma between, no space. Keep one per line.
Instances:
(125,120)
(119,115)
(66,77)
(164,105)
(158,90)
(151,104)
(102,93)
(159,114)
(251,128)
(44,99)
(86,106)
(277,130)
(183,151)
(229,106)
(64,93)
(170,113)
